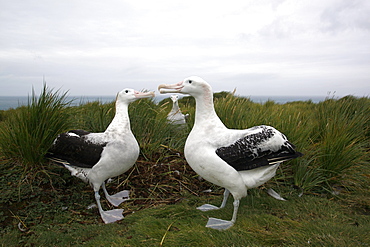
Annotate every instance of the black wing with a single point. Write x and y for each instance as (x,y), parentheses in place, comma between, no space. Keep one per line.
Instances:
(245,154)
(76,149)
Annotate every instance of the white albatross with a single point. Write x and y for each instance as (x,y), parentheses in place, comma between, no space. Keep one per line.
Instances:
(96,157)
(237,160)
(175,116)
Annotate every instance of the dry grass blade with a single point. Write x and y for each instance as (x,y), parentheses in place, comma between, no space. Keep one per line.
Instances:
(165,234)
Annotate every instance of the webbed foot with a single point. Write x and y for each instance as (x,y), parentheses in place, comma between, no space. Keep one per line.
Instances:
(111,216)
(275,195)
(219,224)
(118,198)
(207,207)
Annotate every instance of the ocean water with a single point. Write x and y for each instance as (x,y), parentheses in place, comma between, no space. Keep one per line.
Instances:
(7,102)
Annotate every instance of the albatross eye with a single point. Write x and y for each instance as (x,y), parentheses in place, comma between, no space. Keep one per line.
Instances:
(126,91)
(190,81)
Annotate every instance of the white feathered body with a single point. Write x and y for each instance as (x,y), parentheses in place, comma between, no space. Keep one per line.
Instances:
(115,150)
(200,153)
(209,135)
(175,116)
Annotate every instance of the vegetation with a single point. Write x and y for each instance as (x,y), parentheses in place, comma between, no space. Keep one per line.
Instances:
(28,133)
(327,190)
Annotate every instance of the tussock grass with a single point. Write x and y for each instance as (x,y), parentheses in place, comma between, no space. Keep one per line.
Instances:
(152,130)
(27,134)
(343,127)
(93,116)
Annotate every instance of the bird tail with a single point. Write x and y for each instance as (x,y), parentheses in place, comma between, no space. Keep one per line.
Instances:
(282,157)
(57,161)
(75,171)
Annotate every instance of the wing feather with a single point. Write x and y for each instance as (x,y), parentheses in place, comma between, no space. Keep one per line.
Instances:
(75,148)
(258,149)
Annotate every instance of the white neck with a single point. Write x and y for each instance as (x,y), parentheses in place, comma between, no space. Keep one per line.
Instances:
(175,107)
(205,114)
(121,121)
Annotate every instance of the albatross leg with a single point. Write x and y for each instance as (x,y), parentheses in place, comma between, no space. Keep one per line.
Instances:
(226,195)
(117,198)
(109,216)
(208,207)
(219,224)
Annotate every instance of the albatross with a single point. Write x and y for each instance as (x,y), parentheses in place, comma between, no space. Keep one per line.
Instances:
(175,116)
(237,160)
(97,157)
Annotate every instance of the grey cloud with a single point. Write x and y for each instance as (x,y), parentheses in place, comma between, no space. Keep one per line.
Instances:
(81,45)
(346,15)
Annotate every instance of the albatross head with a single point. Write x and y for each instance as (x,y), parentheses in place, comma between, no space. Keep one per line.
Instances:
(128,95)
(192,85)
(174,98)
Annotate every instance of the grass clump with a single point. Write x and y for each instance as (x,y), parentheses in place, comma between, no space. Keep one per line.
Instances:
(27,134)
(152,130)
(343,128)
(93,116)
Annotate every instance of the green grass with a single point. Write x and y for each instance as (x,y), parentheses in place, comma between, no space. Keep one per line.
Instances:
(26,135)
(262,221)
(327,189)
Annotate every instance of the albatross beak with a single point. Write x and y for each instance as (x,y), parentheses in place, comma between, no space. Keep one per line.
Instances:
(170,88)
(140,95)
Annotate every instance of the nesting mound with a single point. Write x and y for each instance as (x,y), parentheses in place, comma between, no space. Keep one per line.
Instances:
(167,181)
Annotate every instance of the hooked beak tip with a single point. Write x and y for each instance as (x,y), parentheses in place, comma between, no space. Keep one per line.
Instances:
(161,86)
(144,95)
(170,88)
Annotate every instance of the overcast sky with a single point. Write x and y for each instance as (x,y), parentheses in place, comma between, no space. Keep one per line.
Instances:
(264,47)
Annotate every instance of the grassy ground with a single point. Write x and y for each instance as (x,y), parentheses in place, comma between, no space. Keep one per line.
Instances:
(327,190)
(38,214)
